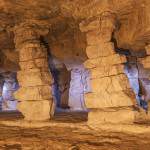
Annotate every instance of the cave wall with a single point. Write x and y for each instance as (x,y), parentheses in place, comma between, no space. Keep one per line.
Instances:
(79,85)
(23,23)
(61,84)
(9,101)
(144,72)
(69,85)
(8,87)
(64,85)
(132,72)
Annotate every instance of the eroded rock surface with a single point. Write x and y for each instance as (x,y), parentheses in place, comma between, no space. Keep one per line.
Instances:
(34,74)
(101,34)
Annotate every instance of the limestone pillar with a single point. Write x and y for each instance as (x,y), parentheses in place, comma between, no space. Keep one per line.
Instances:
(146,60)
(78,86)
(132,70)
(1,91)
(145,74)
(111,99)
(64,84)
(9,87)
(34,77)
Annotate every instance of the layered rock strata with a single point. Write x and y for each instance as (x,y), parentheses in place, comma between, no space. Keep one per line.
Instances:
(34,77)
(110,85)
(146,60)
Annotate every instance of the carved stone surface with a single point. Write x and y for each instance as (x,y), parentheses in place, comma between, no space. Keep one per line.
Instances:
(34,78)
(110,85)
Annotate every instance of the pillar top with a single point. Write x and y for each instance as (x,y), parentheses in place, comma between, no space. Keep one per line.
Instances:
(94,23)
(29,31)
(38,26)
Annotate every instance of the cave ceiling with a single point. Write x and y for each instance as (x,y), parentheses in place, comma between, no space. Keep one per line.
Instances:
(62,18)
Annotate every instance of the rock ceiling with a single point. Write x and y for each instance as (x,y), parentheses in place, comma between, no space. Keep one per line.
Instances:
(62,18)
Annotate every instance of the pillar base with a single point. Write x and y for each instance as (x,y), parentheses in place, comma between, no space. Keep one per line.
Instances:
(35,110)
(114,115)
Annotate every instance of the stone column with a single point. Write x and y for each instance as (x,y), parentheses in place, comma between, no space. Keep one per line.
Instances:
(132,71)
(78,87)
(145,74)
(1,91)
(64,78)
(146,60)
(9,87)
(34,77)
(111,99)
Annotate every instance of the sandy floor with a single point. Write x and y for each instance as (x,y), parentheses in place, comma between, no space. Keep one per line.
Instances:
(67,137)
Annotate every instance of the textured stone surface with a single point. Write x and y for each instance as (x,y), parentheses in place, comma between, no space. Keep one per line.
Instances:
(79,85)
(110,86)
(34,77)
(99,50)
(105,61)
(64,85)
(68,131)
(35,111)
(34,94)
(105,71)
(62,19)
(104,99)
(98,33)
(9,86)
(40,63)
(112,115)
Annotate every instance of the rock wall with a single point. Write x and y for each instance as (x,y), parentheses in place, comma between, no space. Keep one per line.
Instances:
(79,85)
(1,91)
(64,85)
(61,84)
(132,72)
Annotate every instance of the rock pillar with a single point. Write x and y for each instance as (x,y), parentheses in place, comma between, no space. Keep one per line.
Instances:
(34,77)
(145,74)
(1,91)
(146,60)
(9,87)
(111,98)
(78,87)
(64,84)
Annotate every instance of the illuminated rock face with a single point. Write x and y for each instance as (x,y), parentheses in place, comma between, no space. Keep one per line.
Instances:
(34,77)
(79,85)
(29,30)
(8,86)
(110,85)
(9,101)
(1,92)
(64,84)
(144,74)
(138,75)
(132,72)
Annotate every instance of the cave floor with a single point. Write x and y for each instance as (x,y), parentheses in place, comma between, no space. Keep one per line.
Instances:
(68,132)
